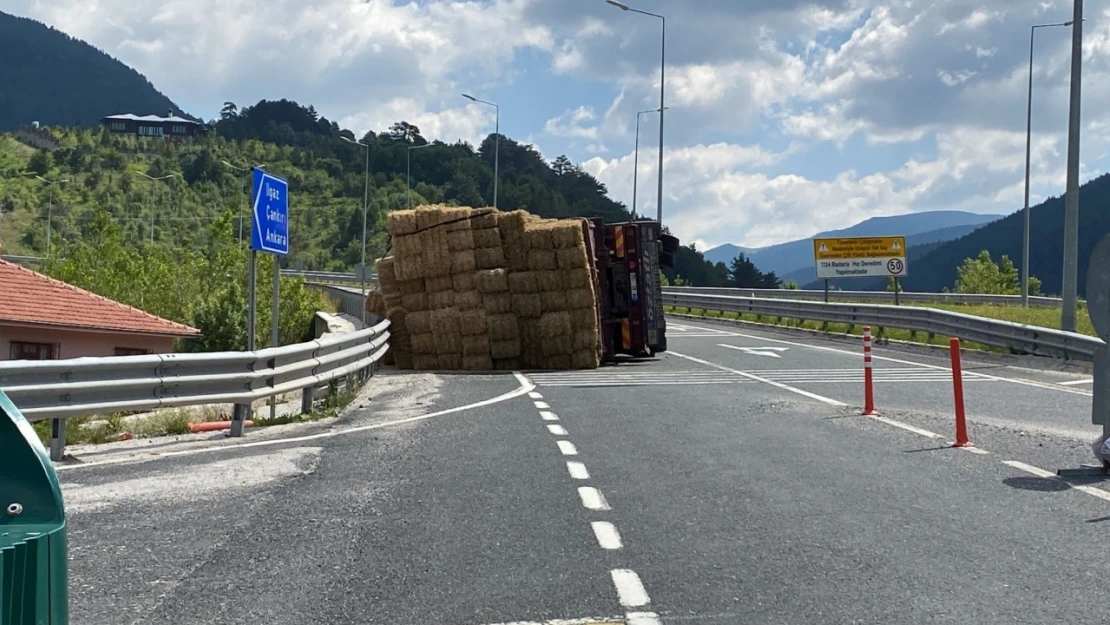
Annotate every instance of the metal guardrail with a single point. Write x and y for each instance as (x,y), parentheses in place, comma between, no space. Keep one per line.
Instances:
(333,277)
(56,389)
(1005,334)
(871,296)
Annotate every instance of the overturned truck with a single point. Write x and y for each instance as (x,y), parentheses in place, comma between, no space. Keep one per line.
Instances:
(480,289)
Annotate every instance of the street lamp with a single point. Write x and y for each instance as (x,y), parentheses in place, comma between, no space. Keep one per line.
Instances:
(662,107)
(50,207)
(1028,147)
(408,169)
(246,191)
(152,181)
(496,139)
(1070,287)
(636,159)
(365,201)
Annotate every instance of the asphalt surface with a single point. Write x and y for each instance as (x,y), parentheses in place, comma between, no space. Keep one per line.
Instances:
(731,480)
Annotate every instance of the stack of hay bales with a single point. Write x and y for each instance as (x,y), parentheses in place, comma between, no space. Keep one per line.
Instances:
(478,289)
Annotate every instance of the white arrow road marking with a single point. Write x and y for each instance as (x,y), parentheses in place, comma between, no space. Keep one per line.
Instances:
(757,351)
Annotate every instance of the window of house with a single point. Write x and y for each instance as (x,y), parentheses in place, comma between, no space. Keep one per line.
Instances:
(178,129)
(21,350)
(119,126)
(131,351)
(150,131)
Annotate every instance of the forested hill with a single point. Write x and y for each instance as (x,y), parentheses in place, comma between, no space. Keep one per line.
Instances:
(324,171)
(50,77)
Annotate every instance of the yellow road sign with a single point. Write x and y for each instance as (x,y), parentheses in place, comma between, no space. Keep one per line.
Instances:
(860,247)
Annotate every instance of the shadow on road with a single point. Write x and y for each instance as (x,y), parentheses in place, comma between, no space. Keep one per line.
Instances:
(1041,484)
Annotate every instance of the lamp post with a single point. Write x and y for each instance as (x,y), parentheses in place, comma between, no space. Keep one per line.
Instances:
(408,170)
(636,159)
(496,139)
(1071,203)
(152,181)
(50,207)
(246,190)
(1028,148)
(365,204)
(662,90)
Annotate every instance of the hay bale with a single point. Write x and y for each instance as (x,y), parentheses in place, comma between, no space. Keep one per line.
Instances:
(400,338)
(392,300)
(423,343)
(583,319)
(491,257)
(387,277)
(541,259)
(447,331)
(419,322)
(497,303)
(502,327)
(460,241)
(555,325)
(456,218)
(437,260)
(567,234)
(468,300)
(550,281)
(434,285)
(558,362)
(450,362)
(477,363)
(579,298)
(539,236)
(441,300)
(401,222)
(477,345)
(428,217)
(473,322)
(524,282)
(560,346)
(463,262)
(584,339)
(554,301)
(513,239)
(491,280)
(500,350)
(530,342)
(507,364)
(415,301)
(425,362)
(584,359)
(571,257)
(487,237)
(527,305)
(577,278)
(483,218)
(408,287)
(375,303)
(464,281)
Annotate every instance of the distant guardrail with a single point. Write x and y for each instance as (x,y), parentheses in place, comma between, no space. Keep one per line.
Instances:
(870,296)
(56,389)
(1005,334)
(328,277)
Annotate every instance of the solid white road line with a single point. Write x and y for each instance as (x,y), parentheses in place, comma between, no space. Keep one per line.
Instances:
(526,386)
(557,430)
(592,498)
(567,448)
(907,427)
(607,535)
(1055,387)
(643,618)
(578,471)
(541,405)
(630,590)
(548,416)
(1039,472)
(535,395)
(785,387)
(1076,382)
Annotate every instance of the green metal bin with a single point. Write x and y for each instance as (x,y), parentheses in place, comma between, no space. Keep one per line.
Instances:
(32,528)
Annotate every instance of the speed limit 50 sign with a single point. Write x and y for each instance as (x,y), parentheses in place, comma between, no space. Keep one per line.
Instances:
(860,257)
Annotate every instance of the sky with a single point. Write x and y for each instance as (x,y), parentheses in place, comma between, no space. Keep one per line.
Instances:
(787,118)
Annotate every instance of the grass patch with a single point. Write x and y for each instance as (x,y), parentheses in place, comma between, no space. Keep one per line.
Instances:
(100,429)
(334,403)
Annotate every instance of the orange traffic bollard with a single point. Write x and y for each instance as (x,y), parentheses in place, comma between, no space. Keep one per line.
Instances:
(958,393)
(868,391)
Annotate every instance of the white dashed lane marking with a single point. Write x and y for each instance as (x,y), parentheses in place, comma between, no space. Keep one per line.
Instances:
(557,430)
(592,498)
(535,395)
(578,471)
(542,405)
(607,535)
(548,416)
(1039,472)
(568,448)
(630,590)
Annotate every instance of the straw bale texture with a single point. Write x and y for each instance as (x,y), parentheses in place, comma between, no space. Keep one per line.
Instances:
(489,257)
(447,331)
(468,300)
(579,298)
(505,349)
(450,362)
(456,218)
(473,322)
(428,216)
(483,218)
(524,282)
(440,300)
(464,281)
(463,262)
(497,303)
(415,301)
(549,280)
(477,345)
(527,304)
(477,363)
(425,362)
(386,275)
(558,362)
(554,301)
(400,341)
(577,278)
(375,303)
(571,257)
(487,237)
(585,339)
(502,328)
(491,280)
(555,324)
(567,234)
(460,241)
(584,359)
(392,300)
(419,322)
(583,319)
(405,287)
(423,343)
(401,222)
(506,364)
(539,237)
(541,259)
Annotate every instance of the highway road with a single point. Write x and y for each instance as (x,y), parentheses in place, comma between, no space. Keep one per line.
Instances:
(730,481)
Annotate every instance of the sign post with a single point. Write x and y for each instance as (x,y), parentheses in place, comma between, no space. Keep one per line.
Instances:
(269,234)
(861,257)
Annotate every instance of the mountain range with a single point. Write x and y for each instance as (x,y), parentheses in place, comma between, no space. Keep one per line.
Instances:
(794,260)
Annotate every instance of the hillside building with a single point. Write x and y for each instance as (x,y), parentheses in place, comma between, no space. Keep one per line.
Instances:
(152,126)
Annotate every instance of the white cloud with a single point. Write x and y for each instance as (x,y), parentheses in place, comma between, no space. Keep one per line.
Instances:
(572,124)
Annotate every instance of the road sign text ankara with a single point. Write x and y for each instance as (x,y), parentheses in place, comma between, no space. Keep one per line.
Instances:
(860,257)
(270,231)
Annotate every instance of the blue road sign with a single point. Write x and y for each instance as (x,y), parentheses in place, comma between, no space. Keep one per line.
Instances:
(270,231)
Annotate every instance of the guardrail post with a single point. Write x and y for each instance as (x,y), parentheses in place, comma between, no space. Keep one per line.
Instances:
(241,413)
(57,439)
(306,399)
(958,394)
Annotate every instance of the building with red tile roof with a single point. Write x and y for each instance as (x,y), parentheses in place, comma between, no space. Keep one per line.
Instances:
(42,318)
